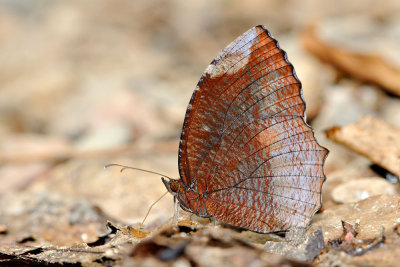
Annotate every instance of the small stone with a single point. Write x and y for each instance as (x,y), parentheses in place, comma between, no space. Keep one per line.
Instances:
(360,189)
(3,229)
(298,245)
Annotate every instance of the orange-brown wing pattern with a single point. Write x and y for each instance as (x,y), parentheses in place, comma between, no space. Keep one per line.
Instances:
(265,176)
(245,145)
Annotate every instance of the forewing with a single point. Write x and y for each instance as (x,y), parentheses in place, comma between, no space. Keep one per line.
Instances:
(249,79)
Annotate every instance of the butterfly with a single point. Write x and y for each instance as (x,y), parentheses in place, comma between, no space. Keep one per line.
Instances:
(247,157)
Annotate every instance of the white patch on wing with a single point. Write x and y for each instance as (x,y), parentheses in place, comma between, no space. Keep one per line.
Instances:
(226,65)
(233,53)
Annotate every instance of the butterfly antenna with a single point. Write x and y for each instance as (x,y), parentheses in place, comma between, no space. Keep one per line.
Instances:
(123,167)
(148,211)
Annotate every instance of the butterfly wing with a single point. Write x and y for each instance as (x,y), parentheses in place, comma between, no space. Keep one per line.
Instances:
(245,143)
(266,181)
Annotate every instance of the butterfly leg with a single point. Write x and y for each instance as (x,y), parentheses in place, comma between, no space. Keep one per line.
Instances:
(176,210)
(213,218)
(191,218)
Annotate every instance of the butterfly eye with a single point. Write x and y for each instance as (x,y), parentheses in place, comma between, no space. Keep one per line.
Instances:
(174,186)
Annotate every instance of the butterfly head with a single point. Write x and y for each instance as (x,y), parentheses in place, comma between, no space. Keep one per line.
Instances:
(173,186)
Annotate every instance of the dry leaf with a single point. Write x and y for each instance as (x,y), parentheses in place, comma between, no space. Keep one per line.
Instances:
(137,232)
(373,138)
(366,68)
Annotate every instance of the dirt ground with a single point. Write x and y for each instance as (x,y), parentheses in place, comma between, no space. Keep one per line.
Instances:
(88,83)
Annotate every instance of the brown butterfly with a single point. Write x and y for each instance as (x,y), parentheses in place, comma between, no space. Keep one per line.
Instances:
(247,157)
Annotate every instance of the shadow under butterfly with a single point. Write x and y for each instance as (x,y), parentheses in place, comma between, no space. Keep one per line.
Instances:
(247,157)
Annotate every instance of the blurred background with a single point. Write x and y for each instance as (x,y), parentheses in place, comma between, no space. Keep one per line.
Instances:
(87,83)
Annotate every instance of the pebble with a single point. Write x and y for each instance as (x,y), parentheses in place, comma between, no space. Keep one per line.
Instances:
(360,189)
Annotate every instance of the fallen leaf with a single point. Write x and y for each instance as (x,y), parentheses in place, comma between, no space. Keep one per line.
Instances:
(372,138)
(137,232)
(208,246)
(366,68)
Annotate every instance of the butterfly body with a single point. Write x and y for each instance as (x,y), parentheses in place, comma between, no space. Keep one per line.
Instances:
(247,157)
